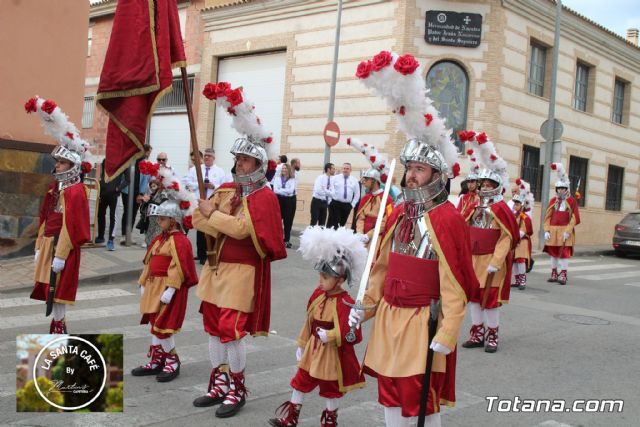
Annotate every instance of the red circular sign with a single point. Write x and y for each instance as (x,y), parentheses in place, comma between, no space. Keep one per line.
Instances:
(331,134)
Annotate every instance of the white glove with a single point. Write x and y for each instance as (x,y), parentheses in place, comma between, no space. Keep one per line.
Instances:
(547,235)
(491,269)
(565,236)
(356,317)
(364,238)
(141,290)
(167,295)
(35,257)
(437,347)
(322,334)
(522,233)
(57,265)
(299,352)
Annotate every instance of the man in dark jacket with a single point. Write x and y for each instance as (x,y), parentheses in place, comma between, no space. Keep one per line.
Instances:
(109,192)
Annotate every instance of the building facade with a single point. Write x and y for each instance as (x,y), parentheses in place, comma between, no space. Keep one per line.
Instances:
(281,52)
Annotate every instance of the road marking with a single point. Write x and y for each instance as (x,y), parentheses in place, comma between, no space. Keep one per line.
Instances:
(74,316)
(594,267)
(552,423)
(636,284)
(547,262)
(609,276)
(80,296)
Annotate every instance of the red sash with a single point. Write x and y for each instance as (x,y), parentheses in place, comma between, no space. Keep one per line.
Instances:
(560,218)
(369,223)
(53,224)
(483,240)
(158,265)
(315,324)
(411,281)
(236,251)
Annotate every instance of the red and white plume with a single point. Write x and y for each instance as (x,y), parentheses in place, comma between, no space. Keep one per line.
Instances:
(377,160)
(560,171)
(398,79)
(466,137)
(242,112)
(56,123)
(525,189)
(485,152)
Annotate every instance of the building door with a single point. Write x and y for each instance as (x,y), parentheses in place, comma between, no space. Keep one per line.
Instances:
(170,133)
(262,79)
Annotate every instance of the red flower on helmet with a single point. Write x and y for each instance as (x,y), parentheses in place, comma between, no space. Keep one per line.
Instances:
(235,97)
(174,186)
(522,187)
(493,157)
(383,178)
(187,222)
(455,169)
(209,91)
(364,69)
(231,111)
(85,167)
(185,204)
(267,140)
(473,159)
(481,138)
(372,159)
(381,60)
(406,64)
(402,111)
(222,89)
(518,181)
(271,165)
(348,141)
(258,120)
(31,106)
(554,166)
(470,151)
(69,135)
(428,118)
(48,106)
(466,135)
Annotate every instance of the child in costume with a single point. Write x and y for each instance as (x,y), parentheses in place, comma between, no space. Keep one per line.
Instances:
(522,203)
(168,274)
(325,359)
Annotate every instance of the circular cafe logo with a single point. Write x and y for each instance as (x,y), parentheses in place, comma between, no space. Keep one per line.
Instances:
(84,373)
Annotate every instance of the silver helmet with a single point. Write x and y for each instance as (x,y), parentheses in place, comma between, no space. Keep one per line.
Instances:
(519,198)
(169,208)
(71,175)
(492,176)
(250,148)
(419,151)
(373,174)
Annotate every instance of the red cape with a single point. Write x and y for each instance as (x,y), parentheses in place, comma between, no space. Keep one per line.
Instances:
(365,200)
(504,216)
(144,46)
(265,224)
(350,375)
(573,206)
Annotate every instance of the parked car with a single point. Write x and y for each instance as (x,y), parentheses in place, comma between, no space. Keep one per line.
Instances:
(626,237)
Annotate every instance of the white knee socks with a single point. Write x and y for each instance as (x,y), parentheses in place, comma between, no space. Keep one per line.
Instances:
(217,352)
(237,353)
(563,263)
(332,404)
(297,397)
(520,268)
(554,262)
(59,310)
(493,317)
(393,418)
(476,313)
(167,344)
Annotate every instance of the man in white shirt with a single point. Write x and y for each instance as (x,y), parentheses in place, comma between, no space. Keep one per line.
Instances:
(345,199)
(213,177)
(323,189)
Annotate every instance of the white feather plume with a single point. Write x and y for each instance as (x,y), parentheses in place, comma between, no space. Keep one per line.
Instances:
(525,189)
(417,117)
(58,125)
(379,162)
(324,244)
(488,157)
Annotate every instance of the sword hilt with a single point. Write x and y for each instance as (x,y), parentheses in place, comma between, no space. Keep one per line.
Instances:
(350,337)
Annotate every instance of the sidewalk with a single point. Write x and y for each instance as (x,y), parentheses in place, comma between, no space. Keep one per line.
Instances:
(125,263)
(97,265)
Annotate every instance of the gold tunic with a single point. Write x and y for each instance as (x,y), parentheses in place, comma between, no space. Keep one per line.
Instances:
(370,209)
(557,231)
(154,287)
(227,285)
(496,259)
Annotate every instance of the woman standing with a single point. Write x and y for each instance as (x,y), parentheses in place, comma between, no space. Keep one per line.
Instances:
(285,187)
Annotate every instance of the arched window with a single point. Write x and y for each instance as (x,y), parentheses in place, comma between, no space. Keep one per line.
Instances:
(448,86)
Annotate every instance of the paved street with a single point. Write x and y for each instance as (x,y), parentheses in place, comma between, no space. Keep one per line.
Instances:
(574,342)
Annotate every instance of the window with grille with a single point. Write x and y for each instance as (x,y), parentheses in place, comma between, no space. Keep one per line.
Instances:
(537,67)
(87,112)
(578,167)
(618,101)
(531,169)
(174,101)
(89,40)
(615,177)
(448,86)
(582,85)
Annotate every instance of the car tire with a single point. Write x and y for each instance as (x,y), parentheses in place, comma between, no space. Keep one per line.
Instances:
(620,253)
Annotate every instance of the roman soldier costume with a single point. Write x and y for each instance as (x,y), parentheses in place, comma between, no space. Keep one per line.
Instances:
(560,220)
(325,358)
(245,230)
(64,216)
(419,260)
(369,204)
(469,200)
(169,272)
(494,235)
(522,203)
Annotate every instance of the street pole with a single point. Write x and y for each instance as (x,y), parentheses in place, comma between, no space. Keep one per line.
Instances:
(132,193)
(550,139)
(334,72)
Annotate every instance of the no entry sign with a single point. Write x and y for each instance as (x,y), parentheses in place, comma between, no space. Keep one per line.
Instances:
(331,134)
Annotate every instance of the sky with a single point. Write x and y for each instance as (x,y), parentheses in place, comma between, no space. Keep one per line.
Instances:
(615,15)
